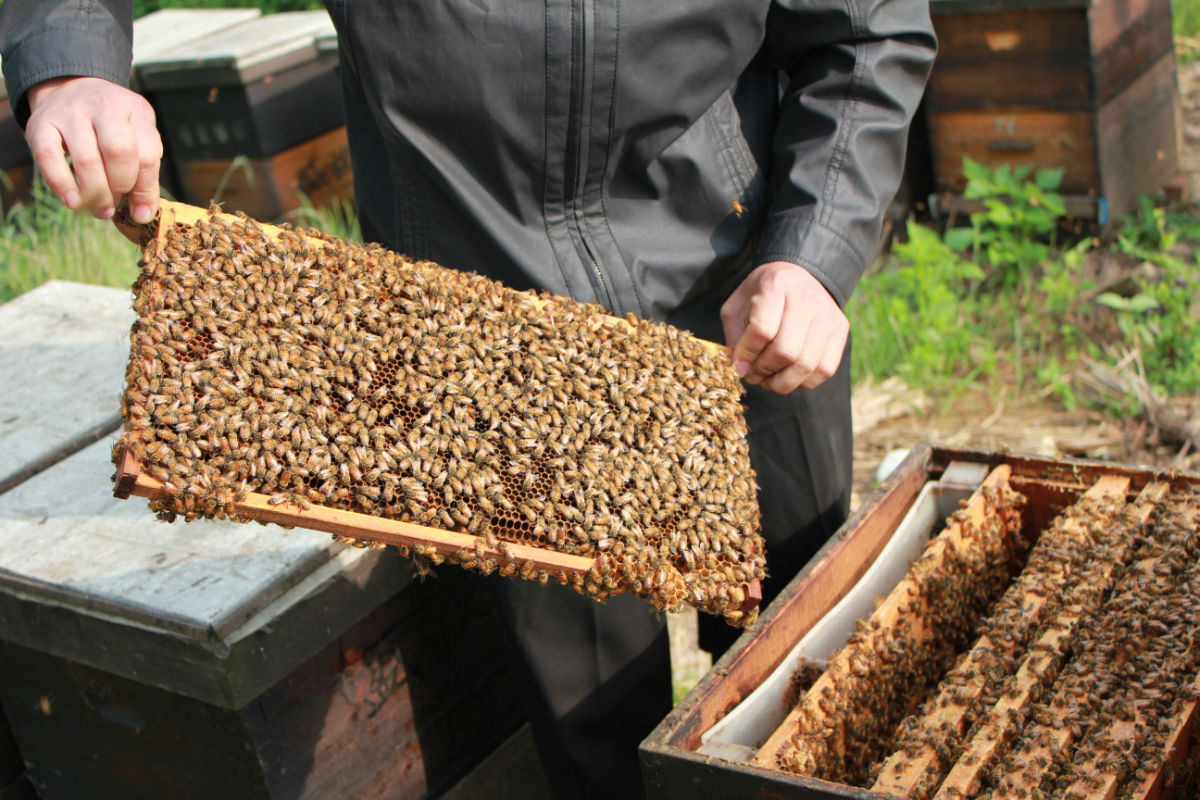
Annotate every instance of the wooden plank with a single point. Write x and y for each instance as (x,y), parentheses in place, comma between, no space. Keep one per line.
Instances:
(365,528)
(824,699)
(1127,36)
(240,54)
(1036,139)
(1138,137)
(1044,655)
(1012,60)
(66,539)
(63,348)
(902,773)
(807,598)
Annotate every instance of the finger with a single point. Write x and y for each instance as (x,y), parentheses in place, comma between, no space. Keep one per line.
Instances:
(118,148)
(792,346)
(88,165)
(835,349)
(764,313)
(143,197)
(47,145)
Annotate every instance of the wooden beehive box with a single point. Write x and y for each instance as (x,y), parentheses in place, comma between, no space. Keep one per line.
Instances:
(680,758)
(160,34)
(143,660)
(1088,86)
(252,114)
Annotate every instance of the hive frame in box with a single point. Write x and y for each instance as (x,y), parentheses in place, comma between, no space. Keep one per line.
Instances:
(130,479)
(743,730)
(674,767)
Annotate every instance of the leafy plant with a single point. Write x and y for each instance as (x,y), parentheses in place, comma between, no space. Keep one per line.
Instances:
(42,240)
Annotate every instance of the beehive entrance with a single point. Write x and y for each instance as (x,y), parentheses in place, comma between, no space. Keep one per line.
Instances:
(326,374)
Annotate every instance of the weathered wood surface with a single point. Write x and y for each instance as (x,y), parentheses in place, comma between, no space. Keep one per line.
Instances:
(1012,60)
(1138,137)
(63,348)
(65,538)
(239,54)
(1036,139)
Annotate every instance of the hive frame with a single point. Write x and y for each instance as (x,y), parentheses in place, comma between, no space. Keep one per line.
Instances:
(363,529)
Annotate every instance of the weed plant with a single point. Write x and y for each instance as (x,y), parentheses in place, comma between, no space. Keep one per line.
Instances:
(43,240)
(1002,299)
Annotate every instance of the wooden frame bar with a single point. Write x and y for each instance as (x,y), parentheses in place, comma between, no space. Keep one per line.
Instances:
(901,774)
(810,714)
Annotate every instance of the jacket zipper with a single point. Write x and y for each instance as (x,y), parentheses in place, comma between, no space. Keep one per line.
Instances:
(578,135)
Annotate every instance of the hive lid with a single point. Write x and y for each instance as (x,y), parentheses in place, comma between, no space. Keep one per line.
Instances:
(63,348)
(162,33)
(240,54)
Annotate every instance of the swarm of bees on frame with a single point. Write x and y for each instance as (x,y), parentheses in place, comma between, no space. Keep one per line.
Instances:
(1071,685)
(320,372)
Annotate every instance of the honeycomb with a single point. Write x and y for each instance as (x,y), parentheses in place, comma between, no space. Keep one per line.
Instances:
(321,372)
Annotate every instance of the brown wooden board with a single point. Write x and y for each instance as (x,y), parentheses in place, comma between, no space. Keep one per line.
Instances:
(671,766)
(1127,36)
(398,706)
(270,188)
(1012,60)
(1035,139)
(1056,85)
(1138,138)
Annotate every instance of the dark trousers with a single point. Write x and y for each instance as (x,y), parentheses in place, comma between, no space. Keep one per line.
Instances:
(596,678)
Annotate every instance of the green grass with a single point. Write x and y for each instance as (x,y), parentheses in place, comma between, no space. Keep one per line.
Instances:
(43,240)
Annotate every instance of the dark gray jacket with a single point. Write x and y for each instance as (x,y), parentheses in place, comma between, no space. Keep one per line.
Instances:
(635,154)
(639,154)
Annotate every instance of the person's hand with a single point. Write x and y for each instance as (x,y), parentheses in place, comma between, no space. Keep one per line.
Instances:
(109,133)
(785,329)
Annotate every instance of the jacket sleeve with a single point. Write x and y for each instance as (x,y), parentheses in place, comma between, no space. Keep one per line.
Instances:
(855,73)
(43,39)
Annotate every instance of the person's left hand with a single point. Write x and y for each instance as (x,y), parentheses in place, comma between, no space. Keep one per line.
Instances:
(785,329)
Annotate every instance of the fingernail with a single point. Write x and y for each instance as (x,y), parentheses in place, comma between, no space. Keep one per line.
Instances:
(142,214)
(740,368)
(71,199)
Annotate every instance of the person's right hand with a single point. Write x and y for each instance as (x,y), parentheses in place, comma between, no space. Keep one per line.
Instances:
(109,133)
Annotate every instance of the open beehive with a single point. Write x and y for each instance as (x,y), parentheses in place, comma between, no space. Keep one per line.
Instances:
(291,377)
(1042,645)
